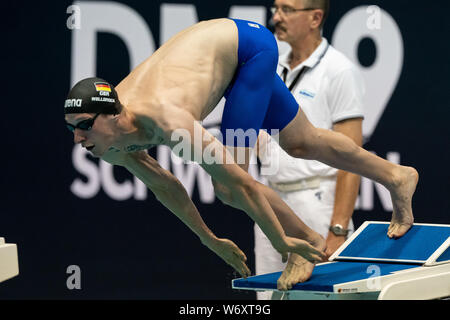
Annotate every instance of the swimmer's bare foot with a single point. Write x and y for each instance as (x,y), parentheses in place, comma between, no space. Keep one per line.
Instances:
(298,269)
(402,190)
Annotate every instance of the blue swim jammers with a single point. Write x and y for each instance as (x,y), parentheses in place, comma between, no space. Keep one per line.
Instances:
(256,98)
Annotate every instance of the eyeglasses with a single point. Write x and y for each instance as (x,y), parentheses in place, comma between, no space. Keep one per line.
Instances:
(286,10)
(83,125)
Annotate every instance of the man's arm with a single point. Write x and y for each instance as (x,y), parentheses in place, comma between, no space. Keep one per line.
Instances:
(198,145)
(169,191)
(172,194)
(347,186)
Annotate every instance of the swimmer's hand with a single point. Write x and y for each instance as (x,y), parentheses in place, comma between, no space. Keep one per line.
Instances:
(304,249)
(231,254)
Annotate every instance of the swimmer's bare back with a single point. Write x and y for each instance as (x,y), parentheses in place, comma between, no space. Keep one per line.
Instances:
(190,71)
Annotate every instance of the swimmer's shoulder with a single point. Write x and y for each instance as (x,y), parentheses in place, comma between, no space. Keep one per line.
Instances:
(153,126)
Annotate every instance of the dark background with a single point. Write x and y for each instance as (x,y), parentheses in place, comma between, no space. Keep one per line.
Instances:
(138,249)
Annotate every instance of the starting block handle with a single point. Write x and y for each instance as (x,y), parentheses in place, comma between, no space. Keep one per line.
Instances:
(432,260)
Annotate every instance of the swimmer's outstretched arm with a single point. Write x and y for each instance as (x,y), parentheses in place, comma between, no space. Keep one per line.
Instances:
(245,193)
(171,193)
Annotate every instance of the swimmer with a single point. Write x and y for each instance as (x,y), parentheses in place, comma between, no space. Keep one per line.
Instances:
(171,92)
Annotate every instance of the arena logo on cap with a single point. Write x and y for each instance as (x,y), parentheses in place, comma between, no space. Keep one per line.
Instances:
(72,103)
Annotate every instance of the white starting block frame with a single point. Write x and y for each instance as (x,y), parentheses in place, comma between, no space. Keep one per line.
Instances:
(9,263)
(414,267)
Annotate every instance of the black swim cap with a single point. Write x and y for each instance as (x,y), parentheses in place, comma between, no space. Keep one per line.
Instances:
(92,95)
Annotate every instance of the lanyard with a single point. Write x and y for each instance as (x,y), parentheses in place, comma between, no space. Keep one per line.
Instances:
(302,71)
(297,78)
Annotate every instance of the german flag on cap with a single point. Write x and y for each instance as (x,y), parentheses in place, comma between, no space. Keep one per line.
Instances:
(102,86)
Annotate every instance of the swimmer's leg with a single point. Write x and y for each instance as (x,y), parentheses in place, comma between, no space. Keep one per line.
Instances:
(292,225)
(302,140)
(298,269)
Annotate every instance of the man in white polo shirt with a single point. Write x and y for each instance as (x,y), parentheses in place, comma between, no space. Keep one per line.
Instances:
(330,91)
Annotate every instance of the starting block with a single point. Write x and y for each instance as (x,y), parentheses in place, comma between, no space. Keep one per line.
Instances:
(370,266)
(9,263)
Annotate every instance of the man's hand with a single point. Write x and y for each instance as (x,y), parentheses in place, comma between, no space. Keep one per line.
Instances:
(232,255)
(304,249)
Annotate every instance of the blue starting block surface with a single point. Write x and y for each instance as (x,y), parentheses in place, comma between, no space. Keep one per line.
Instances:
(371,243)
(369,249)
(324,276)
